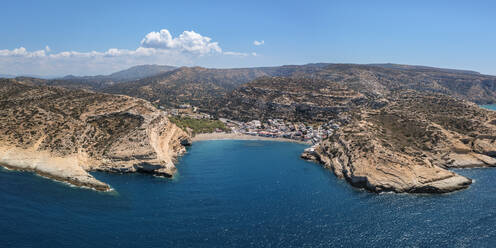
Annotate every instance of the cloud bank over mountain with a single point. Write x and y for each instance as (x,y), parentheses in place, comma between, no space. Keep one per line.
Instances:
(155,48)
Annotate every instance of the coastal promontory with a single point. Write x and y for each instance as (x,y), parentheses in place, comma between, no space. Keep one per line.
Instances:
(408,143)
(63,134)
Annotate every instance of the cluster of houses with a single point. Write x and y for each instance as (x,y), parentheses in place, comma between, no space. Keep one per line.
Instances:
(275,128)
(278,128)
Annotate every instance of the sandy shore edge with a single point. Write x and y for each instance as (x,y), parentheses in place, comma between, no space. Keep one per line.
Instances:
(236,136)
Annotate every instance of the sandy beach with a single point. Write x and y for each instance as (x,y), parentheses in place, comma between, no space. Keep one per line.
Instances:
(237,136)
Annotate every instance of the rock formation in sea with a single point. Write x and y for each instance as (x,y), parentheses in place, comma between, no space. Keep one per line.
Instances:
(62,134)
(408,141)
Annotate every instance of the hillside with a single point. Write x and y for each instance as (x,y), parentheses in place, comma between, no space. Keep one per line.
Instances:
(419,68)
(200,86)
(102,81)
(62,133)
(380,80)
(203,86)
(293,99)
(408,144)
(139,72)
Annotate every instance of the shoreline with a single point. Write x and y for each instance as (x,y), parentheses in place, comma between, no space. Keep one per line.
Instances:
(237,136)
(61,179)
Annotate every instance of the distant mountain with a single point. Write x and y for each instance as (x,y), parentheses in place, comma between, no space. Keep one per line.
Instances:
(424,68)
(382,79)
(101,81)
(140,71)
(6,76)
(199,85)
(25,75)
(131,74)
(203,87)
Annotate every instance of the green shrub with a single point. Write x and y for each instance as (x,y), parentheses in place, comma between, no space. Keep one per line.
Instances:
(198,125)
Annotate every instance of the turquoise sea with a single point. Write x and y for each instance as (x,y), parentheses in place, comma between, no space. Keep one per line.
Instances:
(489,106)
(241,194)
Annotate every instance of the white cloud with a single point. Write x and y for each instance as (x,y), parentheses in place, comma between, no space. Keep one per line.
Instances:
(188,41)
(258,43)
(22,52)
(155,48)
(20,61)
(236,54)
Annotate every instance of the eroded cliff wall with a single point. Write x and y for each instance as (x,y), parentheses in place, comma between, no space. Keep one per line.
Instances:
(62,134)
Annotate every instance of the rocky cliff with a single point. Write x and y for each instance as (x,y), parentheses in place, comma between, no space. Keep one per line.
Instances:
(63,134)
(407,141)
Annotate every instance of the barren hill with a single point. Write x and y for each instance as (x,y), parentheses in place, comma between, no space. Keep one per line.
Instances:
(200,86)
(295,99)
(63,133)
(408,144)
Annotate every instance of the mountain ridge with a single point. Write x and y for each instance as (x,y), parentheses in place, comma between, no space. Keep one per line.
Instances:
(129,74)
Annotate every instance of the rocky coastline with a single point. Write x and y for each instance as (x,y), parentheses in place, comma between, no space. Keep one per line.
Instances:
(404,141)
(64,134)
(409,145)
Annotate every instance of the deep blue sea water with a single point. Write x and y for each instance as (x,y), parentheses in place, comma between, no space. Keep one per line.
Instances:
(241,194)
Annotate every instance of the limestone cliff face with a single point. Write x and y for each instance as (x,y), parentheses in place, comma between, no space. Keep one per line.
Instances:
(409,144)
(62,134)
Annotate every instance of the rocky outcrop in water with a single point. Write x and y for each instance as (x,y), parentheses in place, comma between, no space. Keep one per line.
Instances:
(63,134)
(410,144)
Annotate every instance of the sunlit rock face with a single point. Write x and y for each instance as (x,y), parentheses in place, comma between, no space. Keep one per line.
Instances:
(409,144)
(62,134)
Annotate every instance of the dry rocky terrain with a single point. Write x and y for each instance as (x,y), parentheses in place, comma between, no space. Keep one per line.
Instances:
(63,134)
(293,99)
(402,127)
(407,141)
(202,87)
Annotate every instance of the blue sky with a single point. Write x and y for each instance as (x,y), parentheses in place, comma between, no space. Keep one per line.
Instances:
(79,34)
